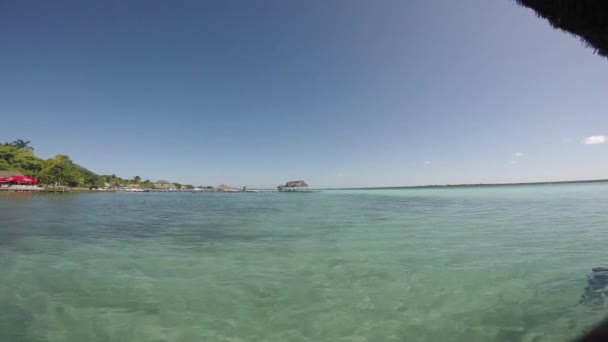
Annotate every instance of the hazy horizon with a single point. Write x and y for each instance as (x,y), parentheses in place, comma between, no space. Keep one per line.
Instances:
(340,94)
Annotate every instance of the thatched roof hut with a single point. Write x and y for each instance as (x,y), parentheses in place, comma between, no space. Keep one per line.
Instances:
(293,185)
(587,19)
(296,184)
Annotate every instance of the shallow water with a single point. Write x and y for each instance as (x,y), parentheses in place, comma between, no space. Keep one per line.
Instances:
(475,264)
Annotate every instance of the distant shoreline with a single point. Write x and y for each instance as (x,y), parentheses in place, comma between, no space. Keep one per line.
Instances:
(480,185)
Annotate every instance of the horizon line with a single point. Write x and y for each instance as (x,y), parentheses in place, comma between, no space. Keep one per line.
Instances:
(467,185)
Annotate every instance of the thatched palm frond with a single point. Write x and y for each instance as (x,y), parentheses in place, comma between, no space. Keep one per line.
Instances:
(587,19)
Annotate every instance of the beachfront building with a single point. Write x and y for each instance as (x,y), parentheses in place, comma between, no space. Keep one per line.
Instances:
(226,188)
(292,186)
(135,188)
(203,188)
(163,185)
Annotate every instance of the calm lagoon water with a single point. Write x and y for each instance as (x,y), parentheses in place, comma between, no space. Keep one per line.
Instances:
(476,264)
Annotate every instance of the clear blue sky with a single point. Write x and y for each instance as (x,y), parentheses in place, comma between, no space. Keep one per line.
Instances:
(339,93)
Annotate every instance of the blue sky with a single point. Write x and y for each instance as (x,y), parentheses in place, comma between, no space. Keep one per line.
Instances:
(339,93)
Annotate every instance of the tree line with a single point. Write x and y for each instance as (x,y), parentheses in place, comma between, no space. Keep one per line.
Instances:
(19,156)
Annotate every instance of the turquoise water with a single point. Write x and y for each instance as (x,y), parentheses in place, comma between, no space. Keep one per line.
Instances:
(477,264)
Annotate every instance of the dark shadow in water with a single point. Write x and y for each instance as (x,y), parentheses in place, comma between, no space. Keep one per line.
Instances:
(14,323)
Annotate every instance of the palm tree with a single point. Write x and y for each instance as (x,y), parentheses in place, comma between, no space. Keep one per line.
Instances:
(22,144)
(137,179)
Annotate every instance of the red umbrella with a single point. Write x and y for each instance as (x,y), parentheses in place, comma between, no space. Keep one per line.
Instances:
(19,180)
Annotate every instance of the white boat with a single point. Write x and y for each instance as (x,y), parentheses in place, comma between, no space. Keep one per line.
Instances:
(134,189)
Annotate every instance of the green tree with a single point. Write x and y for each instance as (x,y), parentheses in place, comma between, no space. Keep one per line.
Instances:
(7,153)
(27,162)
(18,156)
(21,160)
(60,170)
(4,165)
(22,144)
(86,177)
(147,184)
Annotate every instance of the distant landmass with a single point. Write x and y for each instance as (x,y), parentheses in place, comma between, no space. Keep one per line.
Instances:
(471,185)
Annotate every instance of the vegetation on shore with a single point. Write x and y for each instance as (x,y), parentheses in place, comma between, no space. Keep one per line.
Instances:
(18,156)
